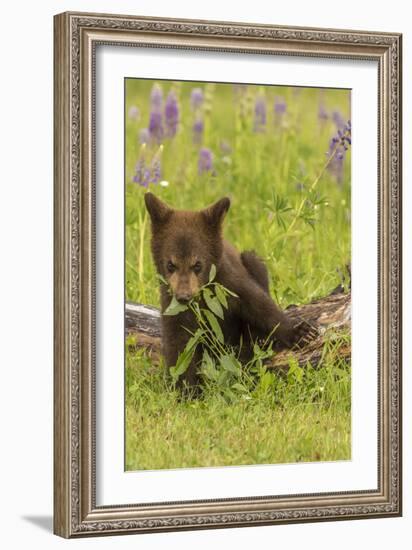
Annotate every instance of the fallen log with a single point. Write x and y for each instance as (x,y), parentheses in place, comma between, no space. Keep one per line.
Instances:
(331,314)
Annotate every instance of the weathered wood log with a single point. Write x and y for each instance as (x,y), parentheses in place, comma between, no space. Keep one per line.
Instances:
(331,315)
(143,322)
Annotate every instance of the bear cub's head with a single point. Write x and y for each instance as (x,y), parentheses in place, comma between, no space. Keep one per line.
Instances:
(185,243)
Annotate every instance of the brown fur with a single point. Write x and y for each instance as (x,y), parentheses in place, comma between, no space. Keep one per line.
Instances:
(185,244)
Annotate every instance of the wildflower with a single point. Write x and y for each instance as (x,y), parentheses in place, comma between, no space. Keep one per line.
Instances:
(205,163)
(156,98)
(338,146)
(142,173)
(155,121)
(280,106)
(197,129)
(147,173)
(171,114)
(156,167)
(260,114)
(133,112)
(156,126)
(196,98)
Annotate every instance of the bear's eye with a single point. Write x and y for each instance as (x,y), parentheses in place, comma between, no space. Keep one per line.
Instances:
(197,268)
(171,268)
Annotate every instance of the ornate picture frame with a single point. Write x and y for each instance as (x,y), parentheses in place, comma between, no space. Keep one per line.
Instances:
(76,37)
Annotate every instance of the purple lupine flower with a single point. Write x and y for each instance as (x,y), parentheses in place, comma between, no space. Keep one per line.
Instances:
(260,114)
(145,173)
(156,98)
(142,173)
(171,114)
(197,129)
(280,106)
(138,175)
(133,112)
(338,120)
(205,163)
(156,167)
(338,146)
(196,98)
(144,136)
(156,126)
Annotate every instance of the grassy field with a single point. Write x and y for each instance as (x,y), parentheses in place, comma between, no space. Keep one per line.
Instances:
(270,150)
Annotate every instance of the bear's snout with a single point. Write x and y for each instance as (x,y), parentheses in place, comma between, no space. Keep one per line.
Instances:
(183,296)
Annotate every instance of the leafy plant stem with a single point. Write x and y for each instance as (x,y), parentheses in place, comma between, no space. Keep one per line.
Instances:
(311,189)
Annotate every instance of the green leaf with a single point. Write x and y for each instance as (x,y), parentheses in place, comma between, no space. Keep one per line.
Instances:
(230,364)
(266,381)
(223,378)
(212,273)
(229,291)
(193,341)
(185,358)
(221,296)
(208,367)
(212,303)
(256,349)
(175,307)
(206,359)
(214,325)
(162,279)
(182,364)
(295,373)
(240,387)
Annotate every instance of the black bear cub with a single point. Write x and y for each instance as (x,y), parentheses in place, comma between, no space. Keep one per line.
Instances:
(185,244)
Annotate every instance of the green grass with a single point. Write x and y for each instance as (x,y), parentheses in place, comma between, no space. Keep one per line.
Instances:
(293,212)
(300,417)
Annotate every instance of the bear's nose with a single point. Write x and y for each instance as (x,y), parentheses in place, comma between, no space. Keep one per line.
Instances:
(183,297)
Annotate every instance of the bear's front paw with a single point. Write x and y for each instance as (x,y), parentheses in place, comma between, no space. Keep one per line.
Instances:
(304,332)
(298,333)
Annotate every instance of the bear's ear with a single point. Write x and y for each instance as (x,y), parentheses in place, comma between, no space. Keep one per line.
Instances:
(215,213)
(158,210)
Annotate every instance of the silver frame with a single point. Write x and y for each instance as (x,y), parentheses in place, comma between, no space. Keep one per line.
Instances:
(75,39)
